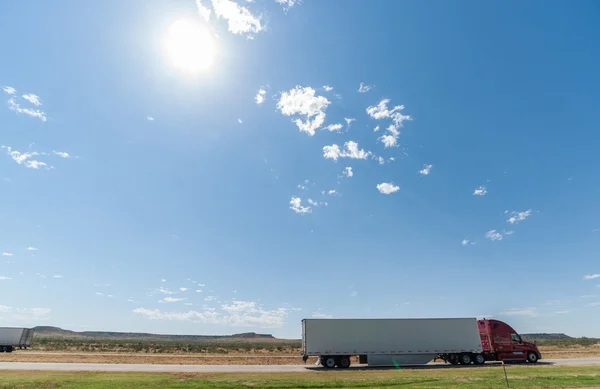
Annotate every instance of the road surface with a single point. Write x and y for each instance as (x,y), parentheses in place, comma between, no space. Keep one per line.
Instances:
(228,368)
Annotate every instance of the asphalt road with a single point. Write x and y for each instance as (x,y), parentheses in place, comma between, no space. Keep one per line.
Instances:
(229,368)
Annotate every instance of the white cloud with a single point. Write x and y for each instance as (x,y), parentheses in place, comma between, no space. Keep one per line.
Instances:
(327,88)
(334,127)
(520,312)
(7,254)
(591,276)
(380,160)
(518,216)
(32,249)
(36,113)
(149,118)
(303,102)
(348,172)
(481,191)
(286,3)
(183,289)
(33,99)
(57,276)
(24,158)
(209,298)
(3,278)
(260,96)
(164,290)
(240,121)
(332,192)
(61,154)
(239,19)
(493,235)
(236,314)
(9,89)
(24,314)
(203,11)
(319,315)
(163,280)
(198,290)
(296,206)
(376,129)
(387,188)
(349,121)
(350,150)
(171,300)
(381,111)
(426,170)
(363,88)
(465,242)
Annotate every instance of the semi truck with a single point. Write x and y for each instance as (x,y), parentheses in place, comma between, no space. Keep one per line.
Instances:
(388,342)
(13,338)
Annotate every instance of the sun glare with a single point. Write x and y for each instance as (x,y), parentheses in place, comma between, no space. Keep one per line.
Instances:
(190,46)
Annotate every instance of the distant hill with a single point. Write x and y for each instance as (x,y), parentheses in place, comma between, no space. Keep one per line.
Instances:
(544,336)
(56,332)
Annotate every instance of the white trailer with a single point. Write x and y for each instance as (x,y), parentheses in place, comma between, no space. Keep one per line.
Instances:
(12,338)
(388,342)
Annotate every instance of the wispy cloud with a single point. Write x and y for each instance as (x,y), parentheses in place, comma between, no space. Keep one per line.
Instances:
(236,314)
(426,170)
(520,312)
(465,242)
(9,89)
(381,111)
(303,102)
(61,154)
(350,150)
(334,127)
(25,314)
(481,191)
(591,276)
(296,206)
(349,121)
(32,249)
(57,276)
(183,289)
(327,88)
(171,300)
(25,159)
(33,99)
(363,88)
(239,19)
(493,235)
(286,3)
(387,188)
(7,254)
(36,113)
(348,172)
(319,315)
(332,192)
(4,278)
(260,96)
(518,216)
(149,118)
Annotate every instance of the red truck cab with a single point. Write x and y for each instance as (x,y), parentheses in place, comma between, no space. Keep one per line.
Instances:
(500,342)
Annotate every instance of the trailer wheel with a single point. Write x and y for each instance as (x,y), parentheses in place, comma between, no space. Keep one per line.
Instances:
(344,362)
(465,359)
(479,359)
(10,349)
(532,357)
(453,359)
(328,362)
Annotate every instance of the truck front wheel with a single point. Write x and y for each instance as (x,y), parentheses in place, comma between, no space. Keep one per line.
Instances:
(532,357)
(344,362)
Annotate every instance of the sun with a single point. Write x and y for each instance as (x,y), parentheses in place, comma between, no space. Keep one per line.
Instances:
(190,46)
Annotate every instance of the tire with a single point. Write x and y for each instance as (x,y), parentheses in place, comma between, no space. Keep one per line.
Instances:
(2,349)
(532,357)
(478,359)
(465,359)
(453,359)
(328,362)
(344,362)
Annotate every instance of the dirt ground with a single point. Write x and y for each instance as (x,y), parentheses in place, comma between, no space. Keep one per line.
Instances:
(220,359)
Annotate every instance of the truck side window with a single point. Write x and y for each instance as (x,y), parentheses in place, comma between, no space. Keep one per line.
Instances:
(515,338)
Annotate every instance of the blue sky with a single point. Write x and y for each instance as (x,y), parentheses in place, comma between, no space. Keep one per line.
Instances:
(142,193)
